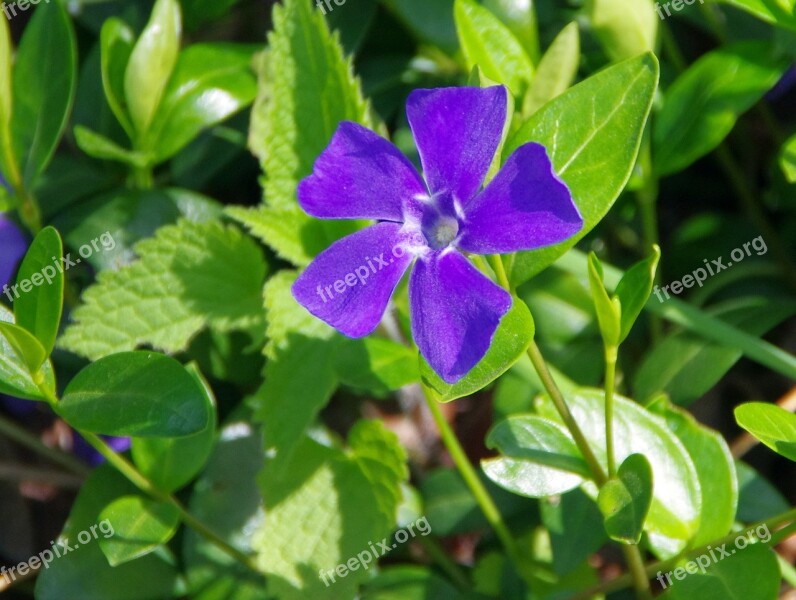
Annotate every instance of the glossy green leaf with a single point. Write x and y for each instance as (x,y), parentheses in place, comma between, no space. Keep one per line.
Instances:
(84,572)
(625,500)
(140,526)
(117,41)
(538,457)
(170,463)
(634,289)
(152,62)
(491,45)
(609,310)
(98,146)
(556,71)
(39,309)
(703,104)
(715,471)
(593,153)
(44,87)
(18,351)
(520,17)
(787,159)
(141,394)
(772,425)
(512,338)
(674,514)
(751,573)
(625,28)
(210,83)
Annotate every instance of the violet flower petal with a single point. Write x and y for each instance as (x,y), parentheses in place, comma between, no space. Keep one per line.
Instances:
(524,207)
(86,452)
(12,248)
(455,311)
(349,284)
(360,175)
(457,132)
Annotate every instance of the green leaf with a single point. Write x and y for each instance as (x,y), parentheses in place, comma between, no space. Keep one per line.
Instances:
(39,310)
(44,87)
(140,526)
(198,267)
(625,28)
(488,43)
(634,289)
(520,18)
(137,394)
(748,574)
(23,356)
(556,70)
(152,62)
(772,425)
(787,159)
(576,529)
(430,22)
(593,155)
(538,457)
(98,146)
(170,463)
(116,42)
(758,499)
(84,572)
(375,364)
(211,82)
(715,471)
(674,514)
(609,311)
(703,104)
(409,583)
(778,12)
(625,500)
(512,338)
(6,95)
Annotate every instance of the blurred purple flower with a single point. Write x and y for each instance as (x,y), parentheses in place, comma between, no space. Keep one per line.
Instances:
(83,450)
(784,85)
(455,309)
(12,248)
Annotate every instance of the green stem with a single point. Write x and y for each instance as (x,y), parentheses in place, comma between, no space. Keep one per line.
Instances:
(142,483)
(25,438)
(635,566)
(143,178)
(610,382)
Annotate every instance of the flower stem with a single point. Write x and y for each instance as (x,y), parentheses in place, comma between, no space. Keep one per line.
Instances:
(610,381)
(635,565)
(142,483)
(23,437)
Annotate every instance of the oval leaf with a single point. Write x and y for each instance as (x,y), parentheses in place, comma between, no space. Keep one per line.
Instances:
(772,425)
(625,500)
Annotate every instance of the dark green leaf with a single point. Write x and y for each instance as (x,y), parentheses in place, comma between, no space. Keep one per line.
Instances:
(140,526)
(575,526)
(625,500)
(141,394)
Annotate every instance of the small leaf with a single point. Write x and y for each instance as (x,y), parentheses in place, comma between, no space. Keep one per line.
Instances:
(609,312)
(152,62)
(703,104)
(488,43)
(575,526)
(26,354)
(625,28)
(140,526)
(772,425)
(512,338)
(137,394)
(634,289)
(98,146)
(44,87)
(556,70)
(538,457)
(116,41)
(39,310)
(787,159)
(625,499)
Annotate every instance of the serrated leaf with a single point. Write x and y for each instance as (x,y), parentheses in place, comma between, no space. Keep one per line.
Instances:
(491,45)
(703,104)
(189,276)
(538,457)
(625,500)
(136,394)
(140,526)
(152,62)
(771,424)
(556,70)
(592,133)
(624,27)
(512,338)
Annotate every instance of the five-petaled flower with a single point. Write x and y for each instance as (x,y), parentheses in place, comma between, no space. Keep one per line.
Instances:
(455,309)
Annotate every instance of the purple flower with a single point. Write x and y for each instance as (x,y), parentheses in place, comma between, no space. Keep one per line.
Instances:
(455,309)
(12,248)
(83,450)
